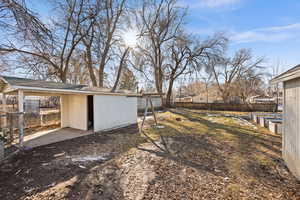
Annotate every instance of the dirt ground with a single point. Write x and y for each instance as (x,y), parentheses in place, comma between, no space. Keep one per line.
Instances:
(190,155)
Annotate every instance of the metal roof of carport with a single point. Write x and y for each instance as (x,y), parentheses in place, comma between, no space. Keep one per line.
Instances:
(10,85)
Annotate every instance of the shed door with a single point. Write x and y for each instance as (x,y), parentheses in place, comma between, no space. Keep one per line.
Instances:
(90,104)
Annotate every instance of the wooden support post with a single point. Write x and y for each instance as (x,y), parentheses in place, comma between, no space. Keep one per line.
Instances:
(4,109)
(153,112)
(41,119)
(21,116)
(145,114)
(149,101)
(11,128)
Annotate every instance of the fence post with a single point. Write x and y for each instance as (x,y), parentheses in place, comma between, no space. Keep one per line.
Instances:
(11,126)
(21,116)
(4,108)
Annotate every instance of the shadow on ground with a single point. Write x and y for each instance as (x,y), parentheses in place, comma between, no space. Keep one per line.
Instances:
(48,172)
(193,157)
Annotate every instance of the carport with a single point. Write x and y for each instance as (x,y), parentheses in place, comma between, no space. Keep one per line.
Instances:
(83,109)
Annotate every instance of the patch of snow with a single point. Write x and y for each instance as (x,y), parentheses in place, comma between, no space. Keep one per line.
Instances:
(51,185)
(82,167)
(244,122)
(59,154)
(45,164)
(213,115)
(89,159)
(140,119)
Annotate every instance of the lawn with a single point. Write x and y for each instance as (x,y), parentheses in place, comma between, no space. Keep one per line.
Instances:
(190,155)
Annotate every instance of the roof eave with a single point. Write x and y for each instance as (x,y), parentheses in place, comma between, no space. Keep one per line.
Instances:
(286,77)
(67,91)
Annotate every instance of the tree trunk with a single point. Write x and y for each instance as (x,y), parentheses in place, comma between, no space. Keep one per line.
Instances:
(101,76)
(158,83)
(103,59)
(120,69)
(158,80)
(63,76)
(101,68)
(225,97)
(89,64)
(169,93)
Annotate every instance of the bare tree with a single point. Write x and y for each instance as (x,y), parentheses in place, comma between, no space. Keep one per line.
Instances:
(15,16)
(78,72)
(160,22)
(226,71)
(58,52)
(128,80)
(249,84)
(106,29)
(207,80)
(188,55)
(121,66)
(180,63)
(88,32)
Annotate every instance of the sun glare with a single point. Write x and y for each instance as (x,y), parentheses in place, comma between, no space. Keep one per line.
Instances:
(130,38)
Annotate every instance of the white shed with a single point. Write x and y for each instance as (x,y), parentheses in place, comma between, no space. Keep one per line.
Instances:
(81,107)
(291,118)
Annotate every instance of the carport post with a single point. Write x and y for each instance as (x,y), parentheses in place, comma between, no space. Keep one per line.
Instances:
(21,116)
(4,109)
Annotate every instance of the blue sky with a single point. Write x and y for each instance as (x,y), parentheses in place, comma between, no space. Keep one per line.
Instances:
(271,28)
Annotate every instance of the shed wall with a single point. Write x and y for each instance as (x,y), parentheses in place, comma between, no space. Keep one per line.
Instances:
(114,111)
(64,111)
(291,132)
(74,111)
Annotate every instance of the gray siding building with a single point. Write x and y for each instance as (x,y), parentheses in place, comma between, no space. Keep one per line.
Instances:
(291,118)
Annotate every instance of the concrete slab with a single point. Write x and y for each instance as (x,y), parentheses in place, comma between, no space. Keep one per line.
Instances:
(53,136)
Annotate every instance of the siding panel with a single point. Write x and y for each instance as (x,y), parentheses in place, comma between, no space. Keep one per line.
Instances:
(74,111)
(114,111)
(291,136)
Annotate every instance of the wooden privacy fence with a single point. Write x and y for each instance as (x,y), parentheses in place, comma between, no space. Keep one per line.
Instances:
(258,107)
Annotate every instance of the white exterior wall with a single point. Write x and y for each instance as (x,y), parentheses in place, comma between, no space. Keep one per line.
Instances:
(74,111)
(64,111)
(155,100)
(114,111)
(291,129)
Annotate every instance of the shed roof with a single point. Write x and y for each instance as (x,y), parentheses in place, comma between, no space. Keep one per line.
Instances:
(40,83)
(288,75)
(10,85)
